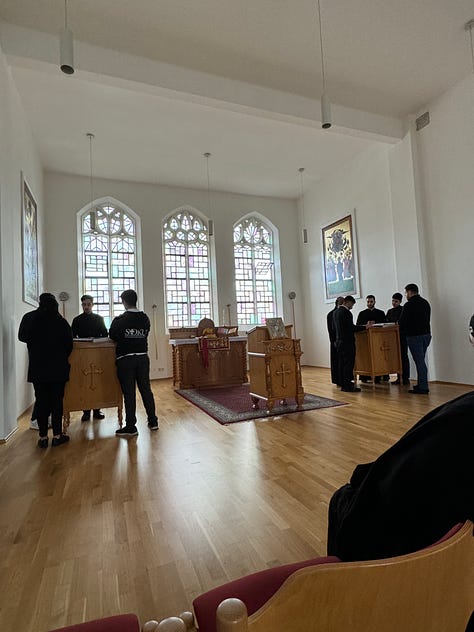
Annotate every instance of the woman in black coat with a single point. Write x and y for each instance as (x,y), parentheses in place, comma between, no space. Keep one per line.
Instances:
(49,340)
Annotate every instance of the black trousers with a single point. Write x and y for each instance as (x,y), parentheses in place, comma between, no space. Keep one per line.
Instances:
(346,352)
(49,401)
(334,355)
(134,371)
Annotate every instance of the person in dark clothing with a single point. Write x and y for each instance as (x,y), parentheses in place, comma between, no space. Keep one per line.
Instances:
(393,316)
(413,493)
(89,325)
(371,315)
(49,340)
(130,331)
(414,323)
(332,342)
(345,343)
(471,330)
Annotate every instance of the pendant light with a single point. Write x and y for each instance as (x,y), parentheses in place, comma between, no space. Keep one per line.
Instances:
(326,121)
(92,215)
(305,231)
(207,155)
(66,47)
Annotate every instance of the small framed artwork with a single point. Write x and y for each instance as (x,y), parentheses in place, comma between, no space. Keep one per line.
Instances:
(340,269)
(29,244)
(276,328)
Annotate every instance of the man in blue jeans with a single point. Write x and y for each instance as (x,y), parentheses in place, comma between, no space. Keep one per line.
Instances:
(414,323)
(130,331)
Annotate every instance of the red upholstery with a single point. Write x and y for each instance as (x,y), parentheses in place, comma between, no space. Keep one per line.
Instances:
(450,534)
(119,623)
(254,590)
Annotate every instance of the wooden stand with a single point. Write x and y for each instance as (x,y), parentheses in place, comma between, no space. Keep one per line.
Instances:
(93,379)
(274,368)
(209,363)
(378,351)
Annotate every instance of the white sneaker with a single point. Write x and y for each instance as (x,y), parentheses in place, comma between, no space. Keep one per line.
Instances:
(34,424)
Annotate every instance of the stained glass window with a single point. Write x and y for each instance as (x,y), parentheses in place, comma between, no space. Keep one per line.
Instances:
(109,262)
(254,271)
(187,269)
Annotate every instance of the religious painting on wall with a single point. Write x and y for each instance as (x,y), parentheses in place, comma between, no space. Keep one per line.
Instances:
(29,242)
(340,259)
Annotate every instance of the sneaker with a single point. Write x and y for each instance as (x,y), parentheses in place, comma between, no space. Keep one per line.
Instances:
(34,424)
(98,415)
(127,431)
(86,416)
(60,440)
(43,442)
(153,425)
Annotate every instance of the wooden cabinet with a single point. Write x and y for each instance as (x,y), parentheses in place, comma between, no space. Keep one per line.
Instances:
(274,367)
(216,362)
(378,351)
(93,381)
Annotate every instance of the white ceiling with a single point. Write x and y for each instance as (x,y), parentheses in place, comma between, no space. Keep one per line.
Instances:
(388,58)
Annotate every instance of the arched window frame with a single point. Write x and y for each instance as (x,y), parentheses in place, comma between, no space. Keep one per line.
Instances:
(276,268)
(190,321)
(115,306)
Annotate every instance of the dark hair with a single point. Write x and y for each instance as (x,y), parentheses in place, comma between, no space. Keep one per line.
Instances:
(411,287)
(398,296)
(129,297)
(339,300)
(48,302)
(370,296)
(87,297)
(349,299)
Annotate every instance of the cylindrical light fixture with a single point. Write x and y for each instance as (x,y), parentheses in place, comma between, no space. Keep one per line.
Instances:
(66,47)
(326,120)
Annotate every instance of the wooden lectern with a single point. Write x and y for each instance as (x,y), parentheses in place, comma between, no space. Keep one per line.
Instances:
(274,367)
(378,351)
(93,381)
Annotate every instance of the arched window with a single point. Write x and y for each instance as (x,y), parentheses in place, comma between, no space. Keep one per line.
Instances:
(186,252)
(254,271)
(109,257)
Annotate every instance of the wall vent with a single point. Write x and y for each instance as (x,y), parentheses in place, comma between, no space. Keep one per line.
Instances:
(422,121)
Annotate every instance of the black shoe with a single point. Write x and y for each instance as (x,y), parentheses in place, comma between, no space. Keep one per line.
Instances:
(127,431)
(153,425)
(377,380)
(43,442)
(419,391)
(397,381)
(60,440)
(355,389)
(98,415)
(86,416)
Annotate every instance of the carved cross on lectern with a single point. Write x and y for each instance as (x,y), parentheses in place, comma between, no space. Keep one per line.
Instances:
(92,371)
(384,348)
(283,371)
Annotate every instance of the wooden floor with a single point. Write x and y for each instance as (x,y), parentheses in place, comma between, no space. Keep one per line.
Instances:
(105,525)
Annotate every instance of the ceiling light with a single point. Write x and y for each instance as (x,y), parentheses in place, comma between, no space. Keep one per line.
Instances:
(305,231)
(326,121)
(66,48)
(92,216)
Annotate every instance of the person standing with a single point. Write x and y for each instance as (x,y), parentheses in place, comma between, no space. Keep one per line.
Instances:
(414,323)
(393,316)
(49,340)
(130,331)
(345,344)
(332,341)
(89,325)
(371,315)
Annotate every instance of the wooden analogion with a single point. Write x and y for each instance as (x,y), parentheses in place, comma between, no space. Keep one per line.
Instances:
(93,381)
(378,351)
(274,367)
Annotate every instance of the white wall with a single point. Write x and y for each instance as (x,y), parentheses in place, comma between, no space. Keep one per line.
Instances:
(444,153)
(363,185)
(65,195)
(18,154)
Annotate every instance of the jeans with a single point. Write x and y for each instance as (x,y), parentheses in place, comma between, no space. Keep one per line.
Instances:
(418,346)
(49,401)
(133,371)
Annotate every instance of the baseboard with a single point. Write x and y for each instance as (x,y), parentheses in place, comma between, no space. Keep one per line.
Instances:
(8,436)
(452,383)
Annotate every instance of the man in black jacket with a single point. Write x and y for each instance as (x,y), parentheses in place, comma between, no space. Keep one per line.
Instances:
(371,315)
(89,325)
(130,331)
(345,344)
(393,316)
(335,379)
(414,323)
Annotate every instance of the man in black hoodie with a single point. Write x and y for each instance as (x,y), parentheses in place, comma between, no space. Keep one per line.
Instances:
(130,331)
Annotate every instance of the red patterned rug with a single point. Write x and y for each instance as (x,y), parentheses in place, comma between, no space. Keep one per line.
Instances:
(228,405)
